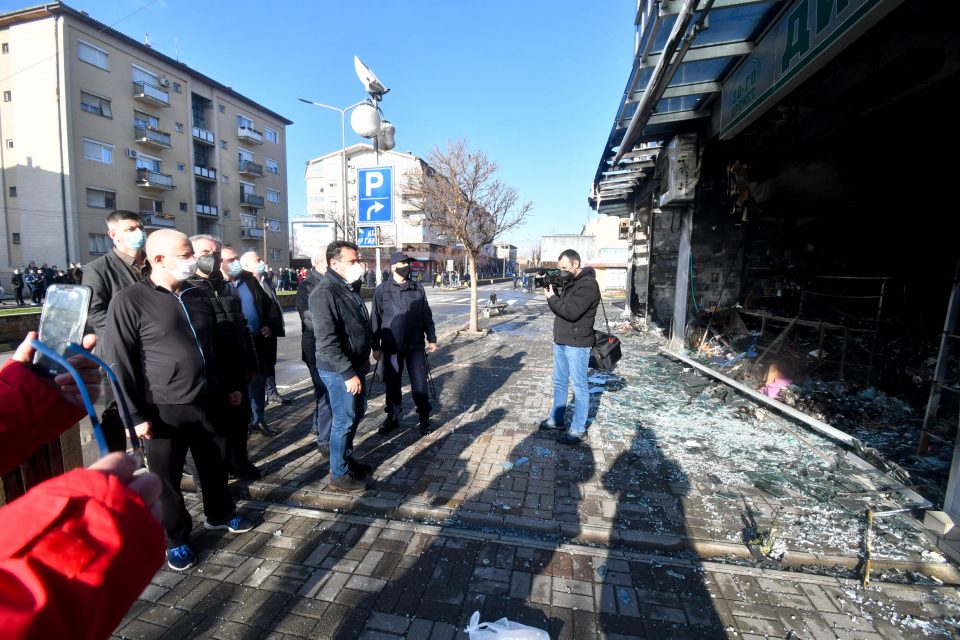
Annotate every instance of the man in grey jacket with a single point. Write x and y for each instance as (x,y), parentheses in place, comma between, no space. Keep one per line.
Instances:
(117,269)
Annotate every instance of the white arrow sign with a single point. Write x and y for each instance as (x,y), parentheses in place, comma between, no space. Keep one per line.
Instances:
(376,206)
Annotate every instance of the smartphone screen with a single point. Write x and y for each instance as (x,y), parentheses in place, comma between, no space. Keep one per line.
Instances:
(61,322)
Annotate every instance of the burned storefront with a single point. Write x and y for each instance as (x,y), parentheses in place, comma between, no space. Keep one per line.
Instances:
(784,166)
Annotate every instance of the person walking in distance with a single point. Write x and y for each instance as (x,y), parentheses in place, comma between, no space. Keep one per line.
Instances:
(123,266)
(17,282)
(341,327)
(400,319)
(160,334)
(308,352)
(575,308)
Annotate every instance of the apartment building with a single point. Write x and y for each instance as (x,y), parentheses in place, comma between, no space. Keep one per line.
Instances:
(92,120)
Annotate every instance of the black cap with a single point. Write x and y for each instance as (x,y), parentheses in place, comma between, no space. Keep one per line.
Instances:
(399,256)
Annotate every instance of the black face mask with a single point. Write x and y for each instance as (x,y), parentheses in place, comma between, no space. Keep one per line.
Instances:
(208,264)
(403,272)
(566,276)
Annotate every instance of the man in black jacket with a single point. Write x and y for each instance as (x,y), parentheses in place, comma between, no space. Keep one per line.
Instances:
(308,353)
(265,322)
(160,334)
(125,264)
(17,282)
(341,326)
(233,340)
(400,318)
(575,307)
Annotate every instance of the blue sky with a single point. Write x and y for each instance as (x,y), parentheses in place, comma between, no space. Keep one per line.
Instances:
(533,83)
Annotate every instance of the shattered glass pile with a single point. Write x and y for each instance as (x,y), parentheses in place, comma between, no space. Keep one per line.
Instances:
(738,466)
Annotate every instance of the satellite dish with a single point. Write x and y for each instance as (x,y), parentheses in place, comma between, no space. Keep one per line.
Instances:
(369,79)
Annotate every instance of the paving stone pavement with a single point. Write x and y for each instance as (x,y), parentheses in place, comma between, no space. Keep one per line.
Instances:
(487,513)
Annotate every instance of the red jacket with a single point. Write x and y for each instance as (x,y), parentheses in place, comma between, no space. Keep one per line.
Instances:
(76,550)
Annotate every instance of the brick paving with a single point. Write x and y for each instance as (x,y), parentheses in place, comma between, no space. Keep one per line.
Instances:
(487,513)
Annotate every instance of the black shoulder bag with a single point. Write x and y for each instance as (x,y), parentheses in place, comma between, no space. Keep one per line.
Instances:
(606,352)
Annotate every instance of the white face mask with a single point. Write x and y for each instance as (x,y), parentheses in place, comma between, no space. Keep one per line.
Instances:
(185,269)
(355,272)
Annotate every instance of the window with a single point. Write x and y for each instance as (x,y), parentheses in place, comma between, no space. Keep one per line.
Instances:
(101,198)
(9,143)
(98,151)
(273,195)
(178,127)
(13,192)
(145,120)
(221,108)
(183,207)
(223,144)
(177,88)
(94,55)
(149,163)
(273,166)
(7,96)
(149,205)
(244,122)
(273,224)
(95,104)
(180,166)
(16,238)
(100,243)
(142,75)
(6,47)
(271,135)
(244,156)
(226,179)
(247,221)
(247,188)
(274,255)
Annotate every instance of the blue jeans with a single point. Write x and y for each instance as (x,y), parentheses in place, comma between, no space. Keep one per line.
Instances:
(258,398)
(321,416)
(571,363)
(347,410)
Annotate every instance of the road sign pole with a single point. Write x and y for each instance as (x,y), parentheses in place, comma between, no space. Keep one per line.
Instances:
(379,270)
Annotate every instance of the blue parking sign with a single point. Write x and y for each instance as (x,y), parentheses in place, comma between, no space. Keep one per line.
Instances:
(374,195)
(367,237)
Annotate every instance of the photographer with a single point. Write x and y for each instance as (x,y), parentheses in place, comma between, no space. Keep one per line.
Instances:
(575,306)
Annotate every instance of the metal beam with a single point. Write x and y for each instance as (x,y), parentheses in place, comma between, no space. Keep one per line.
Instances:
(710,52)
(676,116)
(681,90)
(672,10)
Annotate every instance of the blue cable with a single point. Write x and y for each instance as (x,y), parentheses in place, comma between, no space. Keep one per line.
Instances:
(88,404)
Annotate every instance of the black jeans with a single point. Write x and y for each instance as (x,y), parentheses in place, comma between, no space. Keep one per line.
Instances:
(231,424)
(178,428)
(416,363)
(18,291)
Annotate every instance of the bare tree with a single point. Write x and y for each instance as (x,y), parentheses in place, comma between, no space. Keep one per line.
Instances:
(461,197)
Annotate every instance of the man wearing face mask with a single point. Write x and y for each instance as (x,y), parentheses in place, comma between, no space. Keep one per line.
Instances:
(233,340)
(575,307)
(160,334)
(265,321)
(117,269)
(308,353)
(400,319)
(341,328)
(254,264)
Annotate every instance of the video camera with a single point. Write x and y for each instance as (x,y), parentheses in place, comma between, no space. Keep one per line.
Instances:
(550,277)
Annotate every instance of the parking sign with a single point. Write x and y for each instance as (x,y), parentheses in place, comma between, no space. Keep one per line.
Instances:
(374,195)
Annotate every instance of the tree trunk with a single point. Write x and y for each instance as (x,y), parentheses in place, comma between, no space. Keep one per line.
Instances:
(472,262)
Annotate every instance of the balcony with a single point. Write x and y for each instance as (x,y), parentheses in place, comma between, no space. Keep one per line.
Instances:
(250,135)
(205,173)
(152,137)
(202,135)
(206,210)
(149,94)
(151,219)
(249,233)
(251,200)
(250,168)
(154,180)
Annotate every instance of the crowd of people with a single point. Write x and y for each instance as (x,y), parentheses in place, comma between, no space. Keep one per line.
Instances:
(29,284)
(190,327)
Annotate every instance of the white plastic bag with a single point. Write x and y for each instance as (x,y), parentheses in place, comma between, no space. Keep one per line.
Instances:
(502,629)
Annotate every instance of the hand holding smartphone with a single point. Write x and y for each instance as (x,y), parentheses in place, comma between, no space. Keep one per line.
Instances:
(62,321)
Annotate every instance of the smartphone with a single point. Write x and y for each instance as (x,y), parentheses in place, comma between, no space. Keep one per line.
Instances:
(62,321)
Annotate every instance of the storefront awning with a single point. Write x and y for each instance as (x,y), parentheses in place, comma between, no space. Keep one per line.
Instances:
(685,50)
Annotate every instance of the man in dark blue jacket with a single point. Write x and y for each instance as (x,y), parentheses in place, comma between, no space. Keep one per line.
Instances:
(341,328)
(400,319)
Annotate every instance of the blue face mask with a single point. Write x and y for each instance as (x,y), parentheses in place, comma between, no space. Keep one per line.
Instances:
(261,267)
(135,239)
(235,268)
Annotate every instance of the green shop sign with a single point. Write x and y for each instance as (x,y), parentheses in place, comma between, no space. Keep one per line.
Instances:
(805,38)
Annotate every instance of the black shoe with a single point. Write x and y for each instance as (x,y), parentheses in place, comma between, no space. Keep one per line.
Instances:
(324,453)
(391,423)
(348,484)
(424,424)
(569,438)
(248,472)
(546,425)
(264,429)
(276,398)
(359,469)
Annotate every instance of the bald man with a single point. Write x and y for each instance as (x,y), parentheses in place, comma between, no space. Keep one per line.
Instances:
(161,339)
